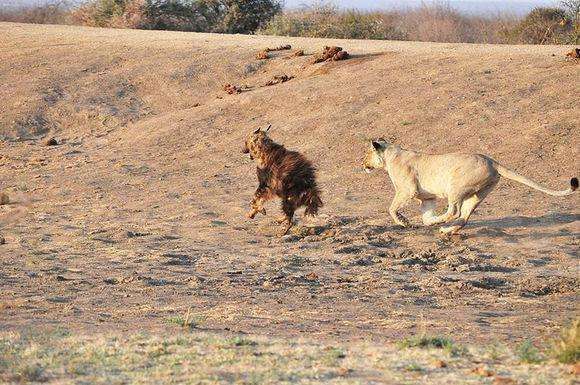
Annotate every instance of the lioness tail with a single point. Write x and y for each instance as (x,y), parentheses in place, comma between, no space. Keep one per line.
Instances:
(507,173)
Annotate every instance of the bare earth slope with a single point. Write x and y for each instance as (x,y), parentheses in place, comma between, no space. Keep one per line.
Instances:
(138,214)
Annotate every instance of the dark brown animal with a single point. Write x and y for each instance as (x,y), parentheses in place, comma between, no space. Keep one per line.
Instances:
(284,174)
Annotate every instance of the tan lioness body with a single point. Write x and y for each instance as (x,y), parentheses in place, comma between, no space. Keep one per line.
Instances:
(463,179)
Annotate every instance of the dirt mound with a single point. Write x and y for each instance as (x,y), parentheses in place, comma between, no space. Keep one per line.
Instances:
(330,54)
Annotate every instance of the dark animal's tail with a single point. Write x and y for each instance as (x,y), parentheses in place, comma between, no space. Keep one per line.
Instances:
(312,201)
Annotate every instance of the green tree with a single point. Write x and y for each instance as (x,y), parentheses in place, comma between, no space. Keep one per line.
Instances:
(225,16)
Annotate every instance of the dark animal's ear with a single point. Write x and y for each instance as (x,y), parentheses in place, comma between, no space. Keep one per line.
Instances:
(268,129)
(377,145)
(258,130)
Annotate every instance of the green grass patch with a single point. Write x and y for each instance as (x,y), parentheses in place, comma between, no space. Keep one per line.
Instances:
(414,367)
(527,353)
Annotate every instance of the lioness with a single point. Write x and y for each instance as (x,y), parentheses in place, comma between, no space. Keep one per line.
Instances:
(463,179)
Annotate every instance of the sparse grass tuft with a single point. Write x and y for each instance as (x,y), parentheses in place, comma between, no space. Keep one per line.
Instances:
(527,353)
(413,367)
(188,321)
(240,341)
(31,372)
(566,349)
(333,355)
(424,341)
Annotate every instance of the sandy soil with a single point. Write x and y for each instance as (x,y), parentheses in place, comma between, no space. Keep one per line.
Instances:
(138,213)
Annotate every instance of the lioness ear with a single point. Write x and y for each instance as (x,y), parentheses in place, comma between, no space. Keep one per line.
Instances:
(377,145)
(268,129)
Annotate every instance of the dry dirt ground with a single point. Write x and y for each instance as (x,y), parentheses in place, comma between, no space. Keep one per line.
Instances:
(138,214)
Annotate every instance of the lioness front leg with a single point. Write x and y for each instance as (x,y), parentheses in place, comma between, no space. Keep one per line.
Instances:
(399,201)
(261,196)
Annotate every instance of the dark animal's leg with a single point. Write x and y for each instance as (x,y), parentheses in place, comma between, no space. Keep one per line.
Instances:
(261,196)
(288,208)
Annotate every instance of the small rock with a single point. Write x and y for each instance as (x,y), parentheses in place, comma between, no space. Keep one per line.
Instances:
(135,234)
(4,199)
(482,371)
(440,364)
(111,281)
(503,381)
(232,89)
(263,55)
(51,142)
(344,371)
(312,276)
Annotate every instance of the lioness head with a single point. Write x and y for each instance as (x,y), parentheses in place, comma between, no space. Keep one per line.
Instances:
(255,142)
(375,156)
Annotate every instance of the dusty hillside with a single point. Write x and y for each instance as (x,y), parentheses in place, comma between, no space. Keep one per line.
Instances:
(138,213)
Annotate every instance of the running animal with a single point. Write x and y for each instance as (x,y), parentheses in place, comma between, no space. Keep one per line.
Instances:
(284,174)
(463,179)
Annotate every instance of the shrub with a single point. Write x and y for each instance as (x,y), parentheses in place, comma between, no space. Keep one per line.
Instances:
(53,12)
(572,9)
(327,21)
(111,13)
(543,26)
(427,23)
(225,16)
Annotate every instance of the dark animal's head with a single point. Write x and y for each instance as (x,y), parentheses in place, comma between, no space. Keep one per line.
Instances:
(256,141)
(375,156)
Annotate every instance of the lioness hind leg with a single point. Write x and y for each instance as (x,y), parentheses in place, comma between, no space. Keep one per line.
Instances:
(453,212)
(428,211)
(467,208)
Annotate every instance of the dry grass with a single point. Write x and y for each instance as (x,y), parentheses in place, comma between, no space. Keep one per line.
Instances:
(61,357)
(566,348)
